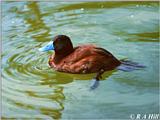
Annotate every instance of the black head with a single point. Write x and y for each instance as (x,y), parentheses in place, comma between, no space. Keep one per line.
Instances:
(62,44)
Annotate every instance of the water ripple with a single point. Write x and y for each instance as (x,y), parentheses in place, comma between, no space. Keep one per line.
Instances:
(32,90)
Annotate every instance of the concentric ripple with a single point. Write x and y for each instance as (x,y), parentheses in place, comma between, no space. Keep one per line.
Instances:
(33,90)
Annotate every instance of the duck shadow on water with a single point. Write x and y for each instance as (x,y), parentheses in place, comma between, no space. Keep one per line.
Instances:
(61,78)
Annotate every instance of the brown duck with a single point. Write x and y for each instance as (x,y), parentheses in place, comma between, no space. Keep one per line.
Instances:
(81,59)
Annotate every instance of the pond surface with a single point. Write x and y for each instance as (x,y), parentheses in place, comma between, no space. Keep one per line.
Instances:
(32,90)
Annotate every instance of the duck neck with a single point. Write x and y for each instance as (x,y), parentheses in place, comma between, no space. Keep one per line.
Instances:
(60,55)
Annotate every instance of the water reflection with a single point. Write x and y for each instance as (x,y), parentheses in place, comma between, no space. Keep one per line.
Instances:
(57,96)
(144,37)
(32,89)
(25,64)
(33,16)
(68,78)
(140,37)
(102,4)
(50,104)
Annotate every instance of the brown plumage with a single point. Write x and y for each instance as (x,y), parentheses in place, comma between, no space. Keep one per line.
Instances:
(82,59)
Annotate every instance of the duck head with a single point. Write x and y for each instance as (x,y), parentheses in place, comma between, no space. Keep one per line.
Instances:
(61,44)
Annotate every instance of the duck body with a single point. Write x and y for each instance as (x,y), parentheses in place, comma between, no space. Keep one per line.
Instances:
(84,59)
(81,59)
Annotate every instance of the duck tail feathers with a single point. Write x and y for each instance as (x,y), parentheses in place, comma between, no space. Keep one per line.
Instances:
(127,66)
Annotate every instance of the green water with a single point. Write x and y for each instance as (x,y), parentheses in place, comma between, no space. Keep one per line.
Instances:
(32,90)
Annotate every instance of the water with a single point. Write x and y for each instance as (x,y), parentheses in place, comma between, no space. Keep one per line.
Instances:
(32,90)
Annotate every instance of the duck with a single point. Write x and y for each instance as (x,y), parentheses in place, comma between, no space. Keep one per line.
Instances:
(82,59)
